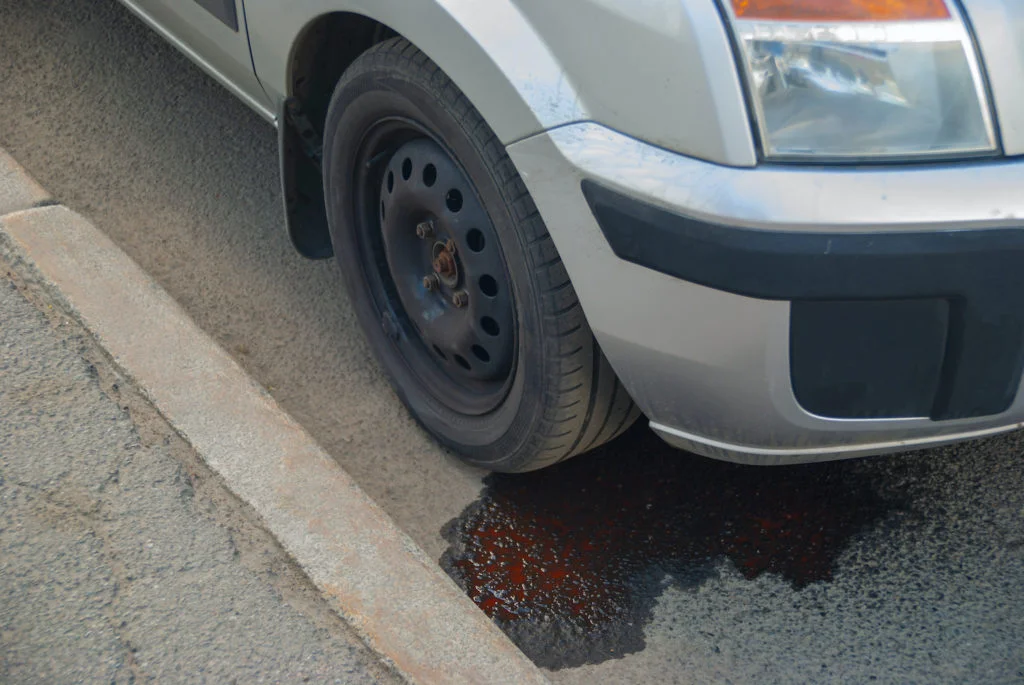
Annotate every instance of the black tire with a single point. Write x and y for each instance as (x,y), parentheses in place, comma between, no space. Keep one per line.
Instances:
(558,396)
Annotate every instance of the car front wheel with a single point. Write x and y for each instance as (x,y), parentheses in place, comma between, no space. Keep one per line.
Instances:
(455,280)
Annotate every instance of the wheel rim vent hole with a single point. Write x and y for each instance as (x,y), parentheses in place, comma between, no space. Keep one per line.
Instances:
(429,175)
(391,181)
(488,286)
(440,353)
(453,200)
(407,169)
(461,361)
(475,240)
(481,354)
(490,326)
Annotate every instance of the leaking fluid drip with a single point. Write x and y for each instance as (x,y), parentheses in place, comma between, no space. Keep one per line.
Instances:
(569,561)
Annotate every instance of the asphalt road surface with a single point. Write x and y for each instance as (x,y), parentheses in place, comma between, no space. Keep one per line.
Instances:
(635,564)
(122,559)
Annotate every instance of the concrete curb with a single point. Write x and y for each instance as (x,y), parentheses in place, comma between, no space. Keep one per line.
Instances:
(17,189)
(373,574)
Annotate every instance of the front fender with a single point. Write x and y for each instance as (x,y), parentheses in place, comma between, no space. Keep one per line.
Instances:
(658,70)
(488,49)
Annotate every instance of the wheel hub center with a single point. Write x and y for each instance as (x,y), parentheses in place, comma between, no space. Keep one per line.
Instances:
(444,263)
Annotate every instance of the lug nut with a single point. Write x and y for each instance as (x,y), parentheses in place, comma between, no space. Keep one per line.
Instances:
(450,246)
(425,229)
(460,299)
(431,282)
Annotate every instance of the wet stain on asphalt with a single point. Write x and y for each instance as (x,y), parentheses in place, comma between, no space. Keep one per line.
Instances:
(570,561)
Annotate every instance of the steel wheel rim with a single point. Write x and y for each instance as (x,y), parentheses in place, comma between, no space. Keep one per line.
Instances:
(444,294)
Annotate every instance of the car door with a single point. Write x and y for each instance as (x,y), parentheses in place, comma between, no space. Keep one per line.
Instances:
(213,33)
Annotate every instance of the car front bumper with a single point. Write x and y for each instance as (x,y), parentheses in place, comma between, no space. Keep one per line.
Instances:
(789,314)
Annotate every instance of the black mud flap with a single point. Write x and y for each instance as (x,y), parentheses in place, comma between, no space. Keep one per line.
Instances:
(300,149)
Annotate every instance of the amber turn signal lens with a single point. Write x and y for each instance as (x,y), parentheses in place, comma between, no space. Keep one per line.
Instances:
(840,10)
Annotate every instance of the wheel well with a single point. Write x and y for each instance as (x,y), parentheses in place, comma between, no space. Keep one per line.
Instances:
(322,53)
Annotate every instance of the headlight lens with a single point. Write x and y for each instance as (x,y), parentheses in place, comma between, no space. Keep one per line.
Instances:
(861,79)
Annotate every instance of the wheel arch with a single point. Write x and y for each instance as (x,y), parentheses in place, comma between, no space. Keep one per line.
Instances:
(491,52)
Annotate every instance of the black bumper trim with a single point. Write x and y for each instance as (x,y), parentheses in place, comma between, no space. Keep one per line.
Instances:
(979,272)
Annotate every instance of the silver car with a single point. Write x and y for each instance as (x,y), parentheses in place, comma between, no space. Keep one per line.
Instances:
(782,230)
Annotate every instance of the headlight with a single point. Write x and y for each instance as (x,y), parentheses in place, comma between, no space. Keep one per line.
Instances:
(862,79)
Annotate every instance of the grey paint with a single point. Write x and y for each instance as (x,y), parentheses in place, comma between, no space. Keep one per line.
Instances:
(529,65)
(999,30)
(711,369)
(800,198)
(660,71)
(494,55)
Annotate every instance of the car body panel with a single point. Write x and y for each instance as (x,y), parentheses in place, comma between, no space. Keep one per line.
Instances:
(660,71)
(533,65)
(494,55)
(522,63)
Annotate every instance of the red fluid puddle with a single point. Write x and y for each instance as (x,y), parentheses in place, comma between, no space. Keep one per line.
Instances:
(570,561)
